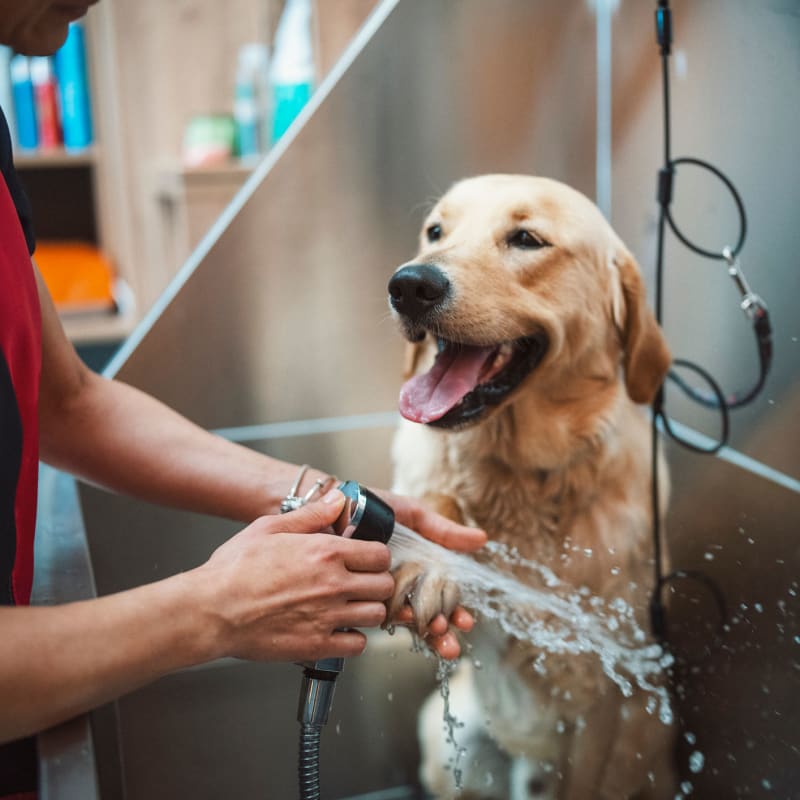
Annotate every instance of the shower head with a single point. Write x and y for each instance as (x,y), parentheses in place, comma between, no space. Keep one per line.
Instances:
(365,515)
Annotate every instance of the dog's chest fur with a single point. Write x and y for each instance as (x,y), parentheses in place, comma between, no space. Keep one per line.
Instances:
(588,522)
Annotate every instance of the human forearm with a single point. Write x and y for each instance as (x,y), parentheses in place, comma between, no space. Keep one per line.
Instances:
(275,591)
(59,661)
(113,435)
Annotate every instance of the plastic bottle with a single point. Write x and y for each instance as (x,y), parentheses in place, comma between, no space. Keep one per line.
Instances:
(24,103)
(45,91)
(292,73)
(73,83)
(7,93)
(251,108)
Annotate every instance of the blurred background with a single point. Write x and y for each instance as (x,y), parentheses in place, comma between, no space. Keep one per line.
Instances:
(254,172)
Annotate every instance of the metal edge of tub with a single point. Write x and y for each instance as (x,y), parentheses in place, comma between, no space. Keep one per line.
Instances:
(63,574)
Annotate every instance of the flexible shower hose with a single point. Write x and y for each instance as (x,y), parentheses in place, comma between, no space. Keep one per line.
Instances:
(308,762)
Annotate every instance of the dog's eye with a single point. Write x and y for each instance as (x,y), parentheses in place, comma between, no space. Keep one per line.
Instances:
(525,240)
(434,232)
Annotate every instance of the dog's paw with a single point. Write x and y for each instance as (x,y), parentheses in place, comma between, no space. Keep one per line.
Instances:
(429,593)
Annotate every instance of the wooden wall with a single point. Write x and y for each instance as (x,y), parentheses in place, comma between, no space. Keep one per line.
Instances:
(158,63)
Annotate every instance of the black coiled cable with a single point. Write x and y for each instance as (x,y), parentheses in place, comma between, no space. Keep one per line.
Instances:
(753,307)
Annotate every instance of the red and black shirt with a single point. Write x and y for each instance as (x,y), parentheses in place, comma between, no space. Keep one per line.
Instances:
(20,365)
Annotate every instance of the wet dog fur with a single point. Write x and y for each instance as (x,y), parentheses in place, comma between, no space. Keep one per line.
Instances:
(557,467)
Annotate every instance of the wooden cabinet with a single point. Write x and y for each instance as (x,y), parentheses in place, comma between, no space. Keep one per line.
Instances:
(152,66)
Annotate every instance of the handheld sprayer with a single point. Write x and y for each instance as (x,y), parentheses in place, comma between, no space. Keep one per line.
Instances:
(364,516)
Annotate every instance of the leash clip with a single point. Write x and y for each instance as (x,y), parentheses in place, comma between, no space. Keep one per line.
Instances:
(752,305)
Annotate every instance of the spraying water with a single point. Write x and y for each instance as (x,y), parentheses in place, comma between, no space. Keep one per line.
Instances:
(557,618)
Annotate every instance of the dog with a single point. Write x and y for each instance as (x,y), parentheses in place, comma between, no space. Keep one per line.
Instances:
(531,346)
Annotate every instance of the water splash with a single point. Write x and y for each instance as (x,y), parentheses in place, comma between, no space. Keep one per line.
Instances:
(557,618)
(444,670)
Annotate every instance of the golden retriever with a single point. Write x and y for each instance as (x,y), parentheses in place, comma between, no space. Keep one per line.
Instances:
(531,344)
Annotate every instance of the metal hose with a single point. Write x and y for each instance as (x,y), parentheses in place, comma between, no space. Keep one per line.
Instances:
(364,516)
(308,762)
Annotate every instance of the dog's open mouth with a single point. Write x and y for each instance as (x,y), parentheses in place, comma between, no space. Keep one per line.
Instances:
(466,380)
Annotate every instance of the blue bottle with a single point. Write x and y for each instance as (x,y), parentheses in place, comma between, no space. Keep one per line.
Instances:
(73,82)
(292,70)
(6,93)
(24,103)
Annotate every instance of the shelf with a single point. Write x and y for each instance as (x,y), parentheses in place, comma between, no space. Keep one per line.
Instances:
(97,328)
(56,158)
(174,180)
(103,326)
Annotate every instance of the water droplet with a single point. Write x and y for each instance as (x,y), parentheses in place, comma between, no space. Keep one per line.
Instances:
(696,761)
(615,570)
(766,783)
(708,556)
(686,787)
(390,696)
(587,551)
(477,664)
(758,607)
(533,605)
(338,728)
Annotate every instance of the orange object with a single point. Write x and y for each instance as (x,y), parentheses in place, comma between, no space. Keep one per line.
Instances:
(80,278)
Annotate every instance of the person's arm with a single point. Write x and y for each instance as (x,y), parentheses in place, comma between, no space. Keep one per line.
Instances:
(118,437)
(113,435)
(275,591)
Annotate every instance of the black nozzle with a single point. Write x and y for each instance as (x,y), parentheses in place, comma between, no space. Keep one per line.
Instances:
(365,515)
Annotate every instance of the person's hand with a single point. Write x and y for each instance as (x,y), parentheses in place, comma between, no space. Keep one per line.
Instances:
(281,596)
(413,514)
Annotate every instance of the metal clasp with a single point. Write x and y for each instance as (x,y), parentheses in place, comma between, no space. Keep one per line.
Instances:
(752,305)
(293,501)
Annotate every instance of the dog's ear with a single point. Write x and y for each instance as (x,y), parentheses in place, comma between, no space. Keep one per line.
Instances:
(646,356)
(411,358)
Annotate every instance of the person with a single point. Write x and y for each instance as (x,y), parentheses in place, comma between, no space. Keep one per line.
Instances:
(265,594)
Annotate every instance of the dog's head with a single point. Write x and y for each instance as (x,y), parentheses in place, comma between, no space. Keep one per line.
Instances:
(520,281)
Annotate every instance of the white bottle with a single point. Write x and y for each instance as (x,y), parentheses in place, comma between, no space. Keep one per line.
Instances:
(292,72)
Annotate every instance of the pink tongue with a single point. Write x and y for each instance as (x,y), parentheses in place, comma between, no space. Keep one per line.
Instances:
(455,372)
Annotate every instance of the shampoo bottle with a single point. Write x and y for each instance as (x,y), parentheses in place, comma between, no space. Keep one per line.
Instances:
(251,107)
(45,92)
(24,102)
(7,93)
(73,83)
(292,71)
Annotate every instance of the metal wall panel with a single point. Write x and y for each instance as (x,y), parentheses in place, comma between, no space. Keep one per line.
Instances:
(283,315)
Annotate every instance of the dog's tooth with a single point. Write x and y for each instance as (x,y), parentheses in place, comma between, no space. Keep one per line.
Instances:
(503,356)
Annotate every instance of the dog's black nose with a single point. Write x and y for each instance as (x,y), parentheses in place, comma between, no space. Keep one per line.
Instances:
(417,288)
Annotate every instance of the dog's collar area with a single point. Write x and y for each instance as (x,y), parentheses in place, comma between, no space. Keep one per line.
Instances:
(526,356)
